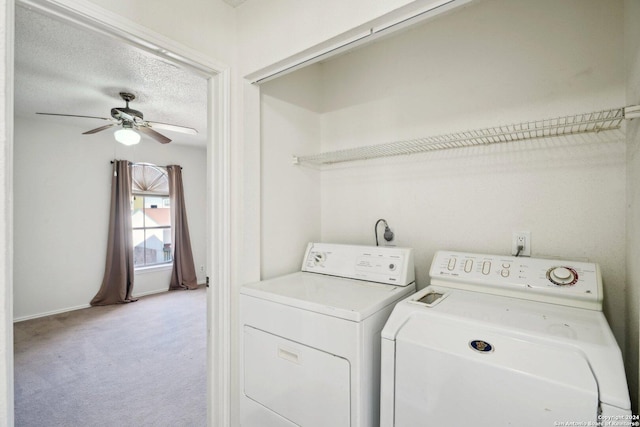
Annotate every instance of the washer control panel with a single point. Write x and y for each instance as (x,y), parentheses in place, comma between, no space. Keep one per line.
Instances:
(389,265)
(561,282)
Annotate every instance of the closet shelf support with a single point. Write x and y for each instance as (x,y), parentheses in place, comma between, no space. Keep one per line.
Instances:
(632,112)
(598,121)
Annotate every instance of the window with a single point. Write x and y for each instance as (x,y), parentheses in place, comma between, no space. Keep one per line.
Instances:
(150,216)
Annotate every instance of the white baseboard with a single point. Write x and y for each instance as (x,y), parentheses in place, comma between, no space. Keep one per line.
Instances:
(144,294)
(159,291)
(49,313)
(80,307)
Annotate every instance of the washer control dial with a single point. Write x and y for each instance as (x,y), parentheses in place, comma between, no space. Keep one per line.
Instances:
(562,276)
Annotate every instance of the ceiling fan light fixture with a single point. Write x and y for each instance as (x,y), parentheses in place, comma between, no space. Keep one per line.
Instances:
(131,121)
(127,136)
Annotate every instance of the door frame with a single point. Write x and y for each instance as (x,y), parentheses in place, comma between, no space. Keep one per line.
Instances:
(218,75)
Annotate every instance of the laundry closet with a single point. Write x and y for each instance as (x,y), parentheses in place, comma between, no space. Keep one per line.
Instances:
(491,63)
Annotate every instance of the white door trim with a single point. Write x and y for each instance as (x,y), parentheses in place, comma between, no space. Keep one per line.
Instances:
(94,18)
(6,214)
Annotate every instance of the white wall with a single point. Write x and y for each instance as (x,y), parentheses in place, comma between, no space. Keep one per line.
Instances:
(482,65)
(632,54)
(269,31)
(208,26)
(272,31)
(290,195)
(62,195)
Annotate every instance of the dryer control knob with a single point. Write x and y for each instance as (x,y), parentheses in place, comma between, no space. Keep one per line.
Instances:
(562,276)
(319,258)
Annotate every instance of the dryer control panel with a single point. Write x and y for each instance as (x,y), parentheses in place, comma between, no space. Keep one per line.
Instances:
(572,283)
(381,264)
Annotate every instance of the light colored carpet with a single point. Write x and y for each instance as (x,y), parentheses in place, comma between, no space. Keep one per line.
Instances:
(137,364)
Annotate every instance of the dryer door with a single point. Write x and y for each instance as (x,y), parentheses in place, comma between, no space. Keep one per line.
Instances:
(451,372)
(301,384)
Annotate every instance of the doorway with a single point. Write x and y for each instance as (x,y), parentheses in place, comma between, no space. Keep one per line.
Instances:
(218,183)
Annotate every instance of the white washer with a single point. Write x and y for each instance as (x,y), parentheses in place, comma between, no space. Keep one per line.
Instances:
(502,341)
(310,345)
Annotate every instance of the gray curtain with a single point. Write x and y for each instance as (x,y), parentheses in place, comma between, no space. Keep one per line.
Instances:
(117,284)
(183,275)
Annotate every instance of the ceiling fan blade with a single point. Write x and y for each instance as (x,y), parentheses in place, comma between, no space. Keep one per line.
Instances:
(153,134)
(175,128)
(74,115)
(101,128)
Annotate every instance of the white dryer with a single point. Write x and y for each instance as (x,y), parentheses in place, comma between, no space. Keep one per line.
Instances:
(310,344)
(503,341)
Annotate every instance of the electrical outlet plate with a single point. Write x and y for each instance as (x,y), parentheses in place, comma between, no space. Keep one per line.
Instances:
(521,238)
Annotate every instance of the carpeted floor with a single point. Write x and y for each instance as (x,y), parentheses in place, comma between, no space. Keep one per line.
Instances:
(137,364)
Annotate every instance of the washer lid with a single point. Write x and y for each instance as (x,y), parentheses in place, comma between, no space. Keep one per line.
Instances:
(568,329)
(446,368)
(349,299)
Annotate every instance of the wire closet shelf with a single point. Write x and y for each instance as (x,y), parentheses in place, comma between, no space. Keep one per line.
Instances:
(561,126)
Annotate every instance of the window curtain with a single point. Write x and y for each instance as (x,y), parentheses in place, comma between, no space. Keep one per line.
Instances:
(117,284)
(183,275)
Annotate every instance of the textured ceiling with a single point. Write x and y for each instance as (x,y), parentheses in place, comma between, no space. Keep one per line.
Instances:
(61,68)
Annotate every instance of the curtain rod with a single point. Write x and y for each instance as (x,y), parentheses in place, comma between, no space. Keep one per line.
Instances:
(148,164)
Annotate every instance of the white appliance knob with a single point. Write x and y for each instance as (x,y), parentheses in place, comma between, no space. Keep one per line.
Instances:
(319,258)
(562,276)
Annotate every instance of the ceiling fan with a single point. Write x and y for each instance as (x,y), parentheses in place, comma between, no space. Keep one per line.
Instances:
(131,120)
